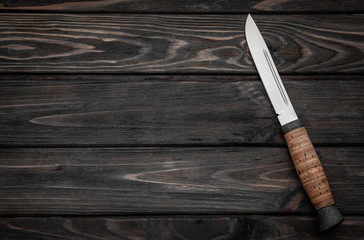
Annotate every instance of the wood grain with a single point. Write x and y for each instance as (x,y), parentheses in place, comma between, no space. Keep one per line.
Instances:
(71,110)
(185,6)
(176,227)
(225,180)
(106,155)
(83,43)
(305,6)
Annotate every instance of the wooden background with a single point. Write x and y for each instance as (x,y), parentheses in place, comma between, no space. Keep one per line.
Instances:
(147,119)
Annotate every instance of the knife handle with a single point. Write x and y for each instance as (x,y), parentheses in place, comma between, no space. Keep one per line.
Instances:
(312,175)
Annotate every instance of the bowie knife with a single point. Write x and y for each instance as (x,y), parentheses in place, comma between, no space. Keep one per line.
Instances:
(303,154)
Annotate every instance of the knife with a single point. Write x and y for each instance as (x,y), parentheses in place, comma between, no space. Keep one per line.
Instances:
(303,154)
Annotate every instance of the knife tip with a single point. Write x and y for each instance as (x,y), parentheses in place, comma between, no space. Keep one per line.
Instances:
(249,20)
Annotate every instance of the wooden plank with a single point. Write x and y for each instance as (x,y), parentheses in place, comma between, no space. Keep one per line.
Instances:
(305,6)
(186,6)
(177,227)
(122,181)
(125,43)
(149,110)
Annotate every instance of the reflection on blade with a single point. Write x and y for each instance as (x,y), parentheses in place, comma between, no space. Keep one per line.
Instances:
(268,73)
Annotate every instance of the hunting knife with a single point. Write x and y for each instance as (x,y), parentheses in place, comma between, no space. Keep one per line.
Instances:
(304,156)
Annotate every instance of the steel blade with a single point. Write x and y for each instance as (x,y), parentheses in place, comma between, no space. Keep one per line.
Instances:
(268,73)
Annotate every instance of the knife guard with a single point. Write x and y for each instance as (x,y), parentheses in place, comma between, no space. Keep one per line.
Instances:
(311,174)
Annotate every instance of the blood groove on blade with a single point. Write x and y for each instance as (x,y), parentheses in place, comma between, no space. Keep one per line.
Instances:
(276,79)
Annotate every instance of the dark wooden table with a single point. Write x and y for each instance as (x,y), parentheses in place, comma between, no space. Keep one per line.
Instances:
(147,119)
